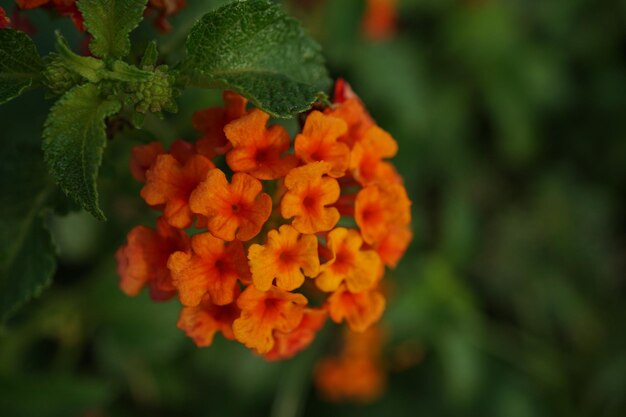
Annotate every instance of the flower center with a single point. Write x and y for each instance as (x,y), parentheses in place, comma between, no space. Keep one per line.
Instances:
(371,214)
(271,304)
(309,201)
(317,155)
(221,265)
(261,156)
(343,260)
(286,257)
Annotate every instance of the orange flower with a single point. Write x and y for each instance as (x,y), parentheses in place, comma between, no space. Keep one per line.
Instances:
(379,208)
(359,309)
(231,280)
(358,379)
(258,150)
(238,209)
(359,269)
(288,344)
(143,157)
(309,193)
(357,373)
(210,122)
(143,259)
(170,183)
(182,150)
(393,244)
(262,313)
(356,117)
(361,344)
(287,256)
(318,142)
(366,162)
(379,21)
(203,321)
(212,267)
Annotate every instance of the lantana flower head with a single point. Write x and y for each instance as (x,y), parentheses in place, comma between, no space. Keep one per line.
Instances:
(265,235)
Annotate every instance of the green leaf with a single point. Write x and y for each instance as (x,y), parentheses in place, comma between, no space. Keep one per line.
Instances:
(122,71)
(87,67)
(150,56)
(255,49)
(20,63)
(110,22)
(74,139)
(27,258)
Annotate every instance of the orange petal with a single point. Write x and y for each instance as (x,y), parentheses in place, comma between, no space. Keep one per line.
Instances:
(359,269)
(356,117)
(202,322)
(182,150)
(360,309)
(368,154)
(143,259)
(210,122)
(319,142)
(378,209)
(379,20)
(258,150)
(238,209)
(264,312)
(169,183)
(309,193)
(359,379)
(288,344)
(212,267)
(392,246)
(287,256)
(143,157)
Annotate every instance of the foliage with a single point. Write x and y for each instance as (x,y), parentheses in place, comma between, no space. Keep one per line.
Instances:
(95,88)
(509,117)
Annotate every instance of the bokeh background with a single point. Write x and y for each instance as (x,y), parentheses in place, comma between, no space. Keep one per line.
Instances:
(511,300)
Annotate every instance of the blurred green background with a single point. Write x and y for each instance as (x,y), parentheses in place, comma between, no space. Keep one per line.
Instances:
(511,120)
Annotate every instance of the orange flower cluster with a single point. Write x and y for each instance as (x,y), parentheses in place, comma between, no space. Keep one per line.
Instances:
(357,372)
(161,8)
(272,228)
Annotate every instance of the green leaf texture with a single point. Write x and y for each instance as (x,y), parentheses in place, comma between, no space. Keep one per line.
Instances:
(74,139)
(20,63)
(110,22)
(255,49)
(27,257)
